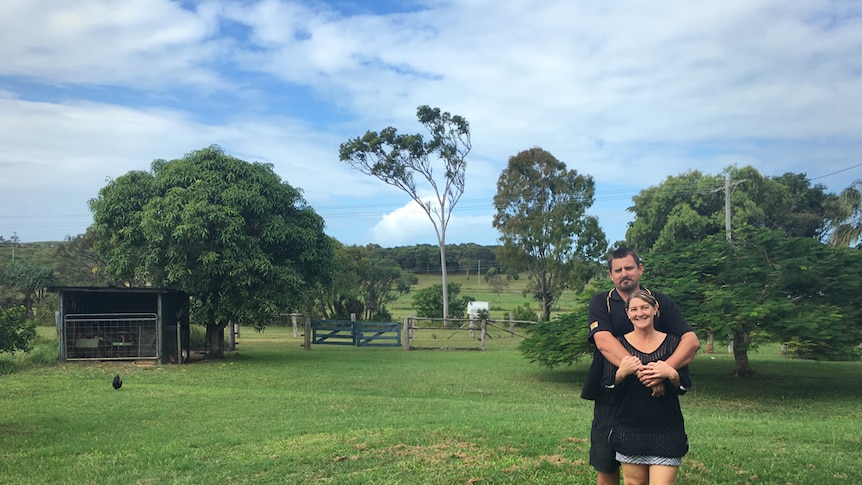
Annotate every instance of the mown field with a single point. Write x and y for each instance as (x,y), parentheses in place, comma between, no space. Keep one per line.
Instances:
(274,413)
(513,295)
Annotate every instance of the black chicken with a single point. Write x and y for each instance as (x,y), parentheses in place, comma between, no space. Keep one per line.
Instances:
(118,383)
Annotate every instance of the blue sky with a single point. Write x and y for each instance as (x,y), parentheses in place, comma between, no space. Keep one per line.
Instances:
(628,92)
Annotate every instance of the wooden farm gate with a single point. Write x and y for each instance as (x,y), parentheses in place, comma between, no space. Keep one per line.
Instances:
(360,334)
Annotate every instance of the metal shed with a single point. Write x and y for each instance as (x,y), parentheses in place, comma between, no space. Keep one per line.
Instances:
(122,324)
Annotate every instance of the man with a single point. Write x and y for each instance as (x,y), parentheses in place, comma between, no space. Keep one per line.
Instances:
(609,320)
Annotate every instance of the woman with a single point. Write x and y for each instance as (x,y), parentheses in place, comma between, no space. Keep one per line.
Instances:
(649,433)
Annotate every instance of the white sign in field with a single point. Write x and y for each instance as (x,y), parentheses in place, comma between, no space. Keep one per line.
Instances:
(473,308)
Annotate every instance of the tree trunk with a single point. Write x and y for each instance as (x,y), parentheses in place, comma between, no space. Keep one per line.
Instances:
(740,355)
(710,343)
(443,268)
(28,305)
(546,307)
(215,340)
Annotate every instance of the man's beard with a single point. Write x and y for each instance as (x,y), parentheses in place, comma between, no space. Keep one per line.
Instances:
(627,285)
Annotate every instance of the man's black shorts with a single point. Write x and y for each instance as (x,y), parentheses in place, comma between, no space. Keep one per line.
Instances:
(602,456)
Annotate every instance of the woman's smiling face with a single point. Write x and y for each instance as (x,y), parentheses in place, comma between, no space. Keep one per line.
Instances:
(641,312)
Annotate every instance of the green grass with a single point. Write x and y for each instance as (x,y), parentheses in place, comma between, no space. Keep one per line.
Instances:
(273,413)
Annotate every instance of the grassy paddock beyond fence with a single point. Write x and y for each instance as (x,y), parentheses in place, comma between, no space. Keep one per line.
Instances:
(274,413)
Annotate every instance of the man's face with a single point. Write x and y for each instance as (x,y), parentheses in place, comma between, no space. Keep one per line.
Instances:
(625,274)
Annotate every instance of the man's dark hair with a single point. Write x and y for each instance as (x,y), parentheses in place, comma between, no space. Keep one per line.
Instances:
(623,252)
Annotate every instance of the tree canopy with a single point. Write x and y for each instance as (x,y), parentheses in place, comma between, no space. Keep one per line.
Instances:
(76,264)
(397,158)
(234,236)
(428,302)
(766,287)
(541,215)
(30,279)
(691,206)
(365,281)
(848,218)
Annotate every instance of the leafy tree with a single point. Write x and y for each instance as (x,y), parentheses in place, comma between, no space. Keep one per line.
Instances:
(561,341)
(691,206)
(766,286)
(365,282)
(229,233)
(762,287)
(682,208)
(541,215)
(378,278)
(524,313)
(848,221)
(30,279)
(394,158)
(341,297)
(77,263)
(797,208)
(428,302)
(405,282)
(466,264)
(497,281)
(16,332)
(380,284)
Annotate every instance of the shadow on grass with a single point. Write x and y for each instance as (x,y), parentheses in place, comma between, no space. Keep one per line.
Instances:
(778,379)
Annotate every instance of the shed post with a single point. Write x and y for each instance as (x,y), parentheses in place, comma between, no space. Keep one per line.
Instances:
(61,328)
(180,357)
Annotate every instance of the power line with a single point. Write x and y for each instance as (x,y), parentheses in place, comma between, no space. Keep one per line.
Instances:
(836,172)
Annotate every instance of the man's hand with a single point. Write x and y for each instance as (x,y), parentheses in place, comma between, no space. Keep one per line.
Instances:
(657,390)
(654,374)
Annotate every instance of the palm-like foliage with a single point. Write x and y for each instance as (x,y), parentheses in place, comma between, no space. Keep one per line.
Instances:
(848,224)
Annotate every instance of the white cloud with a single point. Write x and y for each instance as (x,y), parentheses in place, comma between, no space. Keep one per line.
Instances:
(398,228)
(629,92)
(134,43)
(409,225)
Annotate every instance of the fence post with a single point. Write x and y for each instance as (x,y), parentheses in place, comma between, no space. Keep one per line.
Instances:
(405,334)
(484,334)
(307,341)
(293,322)
(511,324)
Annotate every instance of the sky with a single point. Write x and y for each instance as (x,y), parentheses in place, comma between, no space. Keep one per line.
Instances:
(627,92)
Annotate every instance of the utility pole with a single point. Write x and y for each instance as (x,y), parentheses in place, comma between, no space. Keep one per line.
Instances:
(728,189)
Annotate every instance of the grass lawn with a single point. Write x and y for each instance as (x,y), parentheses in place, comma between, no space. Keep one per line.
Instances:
(273,413)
